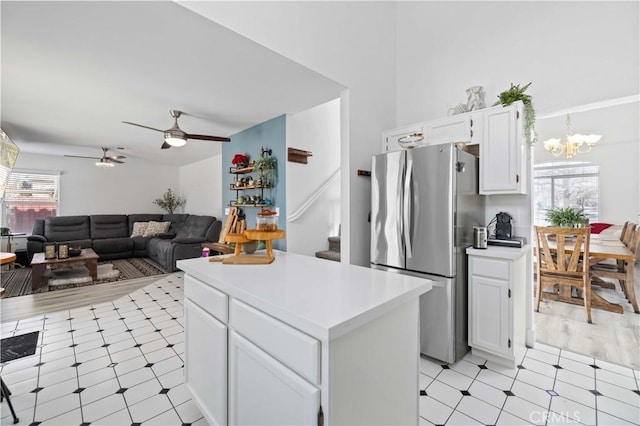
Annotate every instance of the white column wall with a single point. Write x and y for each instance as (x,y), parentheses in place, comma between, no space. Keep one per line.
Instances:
(201,185)
(316,130)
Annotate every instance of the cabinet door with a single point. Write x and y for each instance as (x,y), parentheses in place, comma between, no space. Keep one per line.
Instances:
(262,391)
(206,362)
(489,319)
(390,137)
(502,151)
(476,126)
(450,129)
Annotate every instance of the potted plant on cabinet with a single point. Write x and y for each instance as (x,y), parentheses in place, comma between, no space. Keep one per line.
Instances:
(516,93)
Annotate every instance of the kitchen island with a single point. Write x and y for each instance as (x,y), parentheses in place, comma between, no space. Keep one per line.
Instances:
(301,341)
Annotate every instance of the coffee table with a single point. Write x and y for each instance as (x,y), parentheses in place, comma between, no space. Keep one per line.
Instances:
(39,265)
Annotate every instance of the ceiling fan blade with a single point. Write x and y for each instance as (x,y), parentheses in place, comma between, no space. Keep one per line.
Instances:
(112,160)
(165,145)
(208,138)
(116,157)
(145,127)
(80,156)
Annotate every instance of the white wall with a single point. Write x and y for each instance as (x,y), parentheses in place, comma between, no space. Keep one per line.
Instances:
(617,155)
(201,185)
(352,43)
(573,52)
(316,130)
(87,189)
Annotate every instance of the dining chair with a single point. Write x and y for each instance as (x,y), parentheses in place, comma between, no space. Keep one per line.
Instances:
(619,270)
(560,251)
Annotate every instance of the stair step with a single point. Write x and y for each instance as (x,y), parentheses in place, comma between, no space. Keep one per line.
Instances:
(329,254)
(334,244)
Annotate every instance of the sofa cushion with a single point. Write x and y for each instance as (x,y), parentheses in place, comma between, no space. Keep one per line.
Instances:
(109,226)
(194,226)
(176,220)
(155,228)
(113,245)
(142,217)
(67,228)
(139,228)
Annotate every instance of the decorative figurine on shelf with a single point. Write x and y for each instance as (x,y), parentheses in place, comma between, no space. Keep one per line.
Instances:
(240,161)
(475,98)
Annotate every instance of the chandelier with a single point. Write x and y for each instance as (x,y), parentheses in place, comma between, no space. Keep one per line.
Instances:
(575,143)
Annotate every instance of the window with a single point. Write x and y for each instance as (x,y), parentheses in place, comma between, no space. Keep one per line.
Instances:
(566,184)
(29,195)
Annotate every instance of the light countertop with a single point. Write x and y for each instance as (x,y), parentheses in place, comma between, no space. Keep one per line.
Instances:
(510,253)
(322,298)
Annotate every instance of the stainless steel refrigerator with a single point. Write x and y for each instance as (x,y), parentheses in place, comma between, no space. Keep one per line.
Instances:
(424,205)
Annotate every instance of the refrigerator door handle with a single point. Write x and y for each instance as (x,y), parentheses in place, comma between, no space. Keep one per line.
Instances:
(407,207)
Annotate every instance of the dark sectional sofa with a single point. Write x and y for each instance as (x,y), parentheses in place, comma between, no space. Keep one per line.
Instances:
(110,236)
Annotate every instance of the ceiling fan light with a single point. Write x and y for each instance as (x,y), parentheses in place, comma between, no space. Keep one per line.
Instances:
(173,141)
(175,137)
(104,164)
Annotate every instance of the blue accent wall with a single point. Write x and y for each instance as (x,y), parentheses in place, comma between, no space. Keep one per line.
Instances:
(271,135)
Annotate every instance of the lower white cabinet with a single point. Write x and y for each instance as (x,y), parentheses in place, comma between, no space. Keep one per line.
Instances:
(497,303)
(490,320)
(206,345)
(263,391)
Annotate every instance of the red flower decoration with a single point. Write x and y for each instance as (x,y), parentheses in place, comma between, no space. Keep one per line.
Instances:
(239,159)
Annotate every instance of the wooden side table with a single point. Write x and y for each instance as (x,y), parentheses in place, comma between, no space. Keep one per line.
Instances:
(247,236)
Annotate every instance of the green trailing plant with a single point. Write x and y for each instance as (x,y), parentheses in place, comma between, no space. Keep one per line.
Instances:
(170,201)
(566,216)
(516,93)
(268,168)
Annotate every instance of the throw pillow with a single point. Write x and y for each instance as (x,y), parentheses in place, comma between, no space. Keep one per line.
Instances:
(156,228)
(139,229)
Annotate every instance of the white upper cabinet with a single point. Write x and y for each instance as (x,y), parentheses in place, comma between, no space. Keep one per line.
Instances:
(499,133)
(502,152)
(456,128)
(390,137)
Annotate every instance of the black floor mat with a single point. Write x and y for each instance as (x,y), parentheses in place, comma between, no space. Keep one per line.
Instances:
(18,346)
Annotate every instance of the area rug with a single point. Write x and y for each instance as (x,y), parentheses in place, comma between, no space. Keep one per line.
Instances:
(17,282)
(18,346)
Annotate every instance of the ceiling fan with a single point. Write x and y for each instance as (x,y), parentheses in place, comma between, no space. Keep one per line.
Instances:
(176,136)
(105,160)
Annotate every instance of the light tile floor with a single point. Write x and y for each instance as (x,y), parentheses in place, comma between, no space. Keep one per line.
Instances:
(121,363)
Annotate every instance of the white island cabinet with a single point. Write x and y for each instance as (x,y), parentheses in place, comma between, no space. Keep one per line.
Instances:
(301,341)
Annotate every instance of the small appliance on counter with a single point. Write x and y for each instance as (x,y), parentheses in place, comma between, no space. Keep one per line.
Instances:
(479,237)
(503,226)
(503,235)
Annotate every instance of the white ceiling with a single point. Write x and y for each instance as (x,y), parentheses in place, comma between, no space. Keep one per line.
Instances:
(73,71)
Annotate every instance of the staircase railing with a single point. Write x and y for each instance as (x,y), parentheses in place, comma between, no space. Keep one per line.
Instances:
(313,197)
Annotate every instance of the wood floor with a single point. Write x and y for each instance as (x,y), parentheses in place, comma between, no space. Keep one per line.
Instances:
(22,307)
(612,337)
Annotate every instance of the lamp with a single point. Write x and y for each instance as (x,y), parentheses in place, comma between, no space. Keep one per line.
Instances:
(573,145)
(175,137)
(104,163)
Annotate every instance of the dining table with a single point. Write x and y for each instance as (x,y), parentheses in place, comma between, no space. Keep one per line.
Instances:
(602,247)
